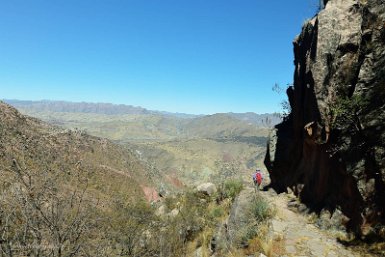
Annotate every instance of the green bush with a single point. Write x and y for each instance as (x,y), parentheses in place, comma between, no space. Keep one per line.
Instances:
(261,209)
(254,221)
(217,212)
(128,224)
(345,111)
(232,188)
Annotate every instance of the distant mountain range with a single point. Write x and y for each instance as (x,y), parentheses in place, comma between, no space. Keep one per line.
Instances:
(265,120)
(82,107)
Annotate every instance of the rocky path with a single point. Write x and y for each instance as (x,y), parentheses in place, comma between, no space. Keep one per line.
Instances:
(300,237)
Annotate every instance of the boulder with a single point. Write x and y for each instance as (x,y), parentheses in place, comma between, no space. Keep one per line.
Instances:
(240,217)
(173,213)
(207,188)
(161,211)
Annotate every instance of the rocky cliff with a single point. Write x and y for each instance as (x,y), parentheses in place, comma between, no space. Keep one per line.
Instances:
(330,149)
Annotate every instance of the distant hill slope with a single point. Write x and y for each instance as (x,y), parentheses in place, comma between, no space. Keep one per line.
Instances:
(265,120)
(39,147)
(127,123)
(194,161)
(221,125)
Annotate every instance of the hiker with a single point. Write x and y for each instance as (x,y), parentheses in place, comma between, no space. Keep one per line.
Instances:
(257,178)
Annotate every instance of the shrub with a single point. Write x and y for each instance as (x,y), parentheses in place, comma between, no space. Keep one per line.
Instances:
(254,221)
(261,209)
(129,224)
(346,111)
(217,212)
(232,188)
(40,216)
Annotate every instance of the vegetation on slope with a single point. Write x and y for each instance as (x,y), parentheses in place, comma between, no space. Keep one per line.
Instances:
(199,160)
(185,150)
(64,193)
(58,187)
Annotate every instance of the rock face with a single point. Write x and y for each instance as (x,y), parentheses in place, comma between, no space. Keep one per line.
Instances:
(331,148)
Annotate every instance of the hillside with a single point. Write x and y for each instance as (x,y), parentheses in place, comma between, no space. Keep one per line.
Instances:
(38,146)
(194,161)
(60,183)
(222,125)
(262,120)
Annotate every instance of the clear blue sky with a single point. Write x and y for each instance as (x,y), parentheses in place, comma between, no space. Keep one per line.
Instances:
(192,56)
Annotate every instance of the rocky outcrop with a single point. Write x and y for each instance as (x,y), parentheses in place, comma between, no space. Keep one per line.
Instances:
(241,217)
(330,149)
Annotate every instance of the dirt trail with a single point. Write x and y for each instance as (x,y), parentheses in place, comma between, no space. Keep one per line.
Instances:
(300,237)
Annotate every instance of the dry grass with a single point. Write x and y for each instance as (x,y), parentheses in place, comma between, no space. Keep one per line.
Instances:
(263,243)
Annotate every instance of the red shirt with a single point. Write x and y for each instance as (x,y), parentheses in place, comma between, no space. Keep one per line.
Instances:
(258,177)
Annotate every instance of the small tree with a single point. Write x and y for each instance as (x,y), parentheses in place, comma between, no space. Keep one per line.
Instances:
(131,225)
(285,105)
(40,215)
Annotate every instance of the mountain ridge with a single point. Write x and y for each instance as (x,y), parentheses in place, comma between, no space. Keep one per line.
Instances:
(117,109)
(127,123)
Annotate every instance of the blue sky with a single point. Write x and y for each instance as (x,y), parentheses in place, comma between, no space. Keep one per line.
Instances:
(191,56)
